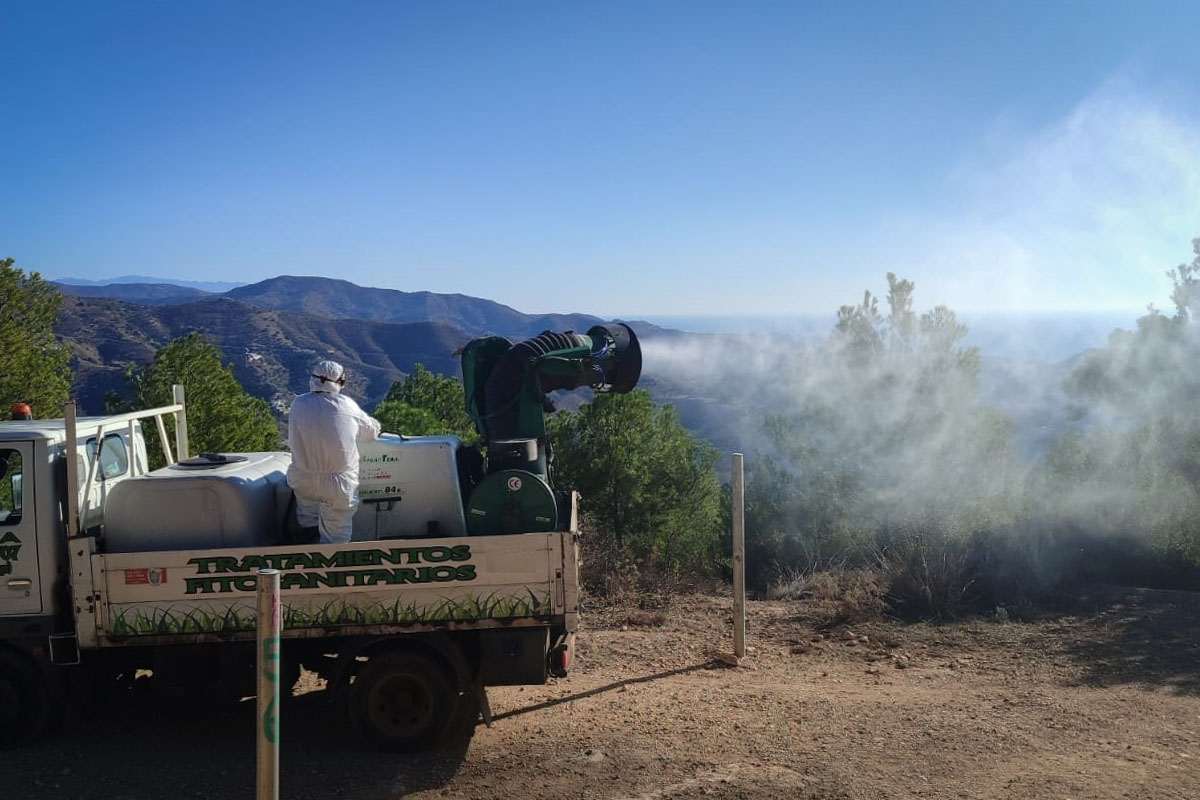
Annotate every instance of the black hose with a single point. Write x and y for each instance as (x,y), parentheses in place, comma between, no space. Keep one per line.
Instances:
(507,380)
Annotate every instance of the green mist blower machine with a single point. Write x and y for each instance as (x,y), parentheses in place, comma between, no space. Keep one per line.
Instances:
(506,386)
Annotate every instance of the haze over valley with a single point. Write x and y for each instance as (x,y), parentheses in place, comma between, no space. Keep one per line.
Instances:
(716,369)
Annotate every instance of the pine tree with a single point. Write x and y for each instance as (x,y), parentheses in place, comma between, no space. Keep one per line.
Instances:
(34,365)
(222,417)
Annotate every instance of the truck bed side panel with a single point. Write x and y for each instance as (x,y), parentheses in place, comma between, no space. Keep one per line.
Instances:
(482,581)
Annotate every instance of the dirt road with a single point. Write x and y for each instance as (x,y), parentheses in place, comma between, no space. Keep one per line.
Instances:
(1104,703)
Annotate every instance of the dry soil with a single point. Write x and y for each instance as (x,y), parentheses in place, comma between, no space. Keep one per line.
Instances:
(1103,702)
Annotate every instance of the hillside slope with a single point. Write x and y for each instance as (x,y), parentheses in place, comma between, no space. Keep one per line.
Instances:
(271,351)
(151,294)
(341,299)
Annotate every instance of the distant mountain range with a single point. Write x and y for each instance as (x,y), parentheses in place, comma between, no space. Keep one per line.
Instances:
(272,332)
(205,286)
(338,299)
(344,300)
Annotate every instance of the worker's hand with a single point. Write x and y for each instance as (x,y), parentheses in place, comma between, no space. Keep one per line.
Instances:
(369,430)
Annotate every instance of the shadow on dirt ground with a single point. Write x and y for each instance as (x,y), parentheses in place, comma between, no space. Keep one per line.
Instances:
(1140,637)
(611,687)
(134,746)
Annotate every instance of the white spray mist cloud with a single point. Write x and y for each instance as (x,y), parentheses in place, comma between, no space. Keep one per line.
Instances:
(1088,213)
(1085,213)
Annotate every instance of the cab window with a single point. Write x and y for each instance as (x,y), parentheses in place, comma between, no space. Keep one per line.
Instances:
(114,458)
(10,487)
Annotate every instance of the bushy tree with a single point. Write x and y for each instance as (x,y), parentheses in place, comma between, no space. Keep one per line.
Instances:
(885,440)
(222,417)
(425,403)
(649,486)
(1136,467)
(399,417)
(34,365)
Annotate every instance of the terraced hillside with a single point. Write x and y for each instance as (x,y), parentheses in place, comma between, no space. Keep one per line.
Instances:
(271,351)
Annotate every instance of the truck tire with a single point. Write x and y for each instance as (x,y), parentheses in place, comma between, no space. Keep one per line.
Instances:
(404,701)
(24,700)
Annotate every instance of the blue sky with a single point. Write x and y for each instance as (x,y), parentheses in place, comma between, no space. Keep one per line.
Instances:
(617,158)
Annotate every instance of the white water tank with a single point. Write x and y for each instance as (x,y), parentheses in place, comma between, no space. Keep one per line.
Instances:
(200,504)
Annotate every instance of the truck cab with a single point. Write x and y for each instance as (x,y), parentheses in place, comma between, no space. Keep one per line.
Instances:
(33,499)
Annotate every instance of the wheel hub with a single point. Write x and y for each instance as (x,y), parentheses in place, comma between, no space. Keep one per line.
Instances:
(401,703)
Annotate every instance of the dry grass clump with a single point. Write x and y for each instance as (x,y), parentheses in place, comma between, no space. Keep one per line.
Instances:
(916,577)
(645,619)
(927,578)
(840,596)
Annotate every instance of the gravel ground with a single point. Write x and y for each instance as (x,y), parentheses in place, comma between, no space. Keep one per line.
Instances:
(1103,703)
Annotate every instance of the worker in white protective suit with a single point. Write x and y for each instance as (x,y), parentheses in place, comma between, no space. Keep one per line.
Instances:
(324,429)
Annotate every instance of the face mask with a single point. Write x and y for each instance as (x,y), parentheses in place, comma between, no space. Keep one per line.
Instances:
(318,383)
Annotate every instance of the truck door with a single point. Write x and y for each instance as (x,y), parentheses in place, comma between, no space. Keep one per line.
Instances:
(19,590)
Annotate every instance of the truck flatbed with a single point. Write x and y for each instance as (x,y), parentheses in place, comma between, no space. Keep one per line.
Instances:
(359,588)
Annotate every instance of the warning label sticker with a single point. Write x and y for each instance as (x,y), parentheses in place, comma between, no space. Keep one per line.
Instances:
(150,576)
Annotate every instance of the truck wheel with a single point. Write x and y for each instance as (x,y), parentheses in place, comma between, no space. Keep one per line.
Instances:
(24,700)
(403,701)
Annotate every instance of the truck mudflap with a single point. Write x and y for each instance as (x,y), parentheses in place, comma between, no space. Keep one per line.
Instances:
(561,655)
(360,588)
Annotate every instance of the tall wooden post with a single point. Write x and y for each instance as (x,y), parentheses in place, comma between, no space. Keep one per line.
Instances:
(739,558)
(267,718)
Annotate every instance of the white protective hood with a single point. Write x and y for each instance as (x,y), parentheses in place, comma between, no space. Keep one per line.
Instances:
(327,377)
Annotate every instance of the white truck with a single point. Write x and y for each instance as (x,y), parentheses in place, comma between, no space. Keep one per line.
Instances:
(107,568)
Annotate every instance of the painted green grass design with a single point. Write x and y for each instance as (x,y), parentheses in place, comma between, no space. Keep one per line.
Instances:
(332,613)
(171,620)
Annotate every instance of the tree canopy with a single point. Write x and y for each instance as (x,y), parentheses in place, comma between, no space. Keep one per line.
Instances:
(887,458)
(34,365)
(649,487)
(222,417)
(884,437)
(1134,466)
(425,403)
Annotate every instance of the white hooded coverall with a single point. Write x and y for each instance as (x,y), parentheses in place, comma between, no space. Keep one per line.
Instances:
(324,429)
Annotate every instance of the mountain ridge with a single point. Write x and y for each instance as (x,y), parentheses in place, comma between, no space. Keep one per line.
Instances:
(271,351)
(216,287)
(338,298)
(341,299)
(143,293)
